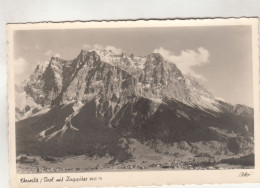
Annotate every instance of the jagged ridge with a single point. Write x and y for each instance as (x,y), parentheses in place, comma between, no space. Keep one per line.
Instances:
(125,96)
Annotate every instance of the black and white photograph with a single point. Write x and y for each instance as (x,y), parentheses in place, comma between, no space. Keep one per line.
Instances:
(115,99)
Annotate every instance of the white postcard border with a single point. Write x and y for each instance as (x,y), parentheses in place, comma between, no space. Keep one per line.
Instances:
(138,178)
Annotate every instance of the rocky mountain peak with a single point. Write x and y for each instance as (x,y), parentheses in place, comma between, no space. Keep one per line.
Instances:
(86,56)
(88,104)
(155,58)
(242,110)
(113,74)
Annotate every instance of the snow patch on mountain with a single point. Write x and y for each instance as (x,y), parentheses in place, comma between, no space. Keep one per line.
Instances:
(110,74)
(208,103)
(220,99)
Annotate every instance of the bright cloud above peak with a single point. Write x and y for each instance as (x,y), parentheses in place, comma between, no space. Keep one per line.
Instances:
(20,66)
(101,47)
(51,53)
(187,60)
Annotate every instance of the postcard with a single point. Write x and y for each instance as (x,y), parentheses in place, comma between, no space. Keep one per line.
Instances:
(133,103)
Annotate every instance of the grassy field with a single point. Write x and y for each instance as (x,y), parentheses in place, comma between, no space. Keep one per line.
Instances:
(144,157)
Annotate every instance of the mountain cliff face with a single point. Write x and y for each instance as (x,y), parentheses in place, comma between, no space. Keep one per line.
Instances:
(101,97)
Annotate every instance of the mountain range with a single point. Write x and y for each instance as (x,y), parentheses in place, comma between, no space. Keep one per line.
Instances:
(96,103)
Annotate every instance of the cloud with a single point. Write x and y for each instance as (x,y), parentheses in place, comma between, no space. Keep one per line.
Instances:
(100,47)
(51,53)
(86,46)
(56,55)
(20,65)
(37,47)
(187,60)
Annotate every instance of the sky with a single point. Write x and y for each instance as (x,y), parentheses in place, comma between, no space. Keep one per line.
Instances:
(219,56)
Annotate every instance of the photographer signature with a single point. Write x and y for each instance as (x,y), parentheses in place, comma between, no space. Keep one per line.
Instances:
(244,174)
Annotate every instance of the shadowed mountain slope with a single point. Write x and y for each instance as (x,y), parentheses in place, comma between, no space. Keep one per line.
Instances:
(96,102)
